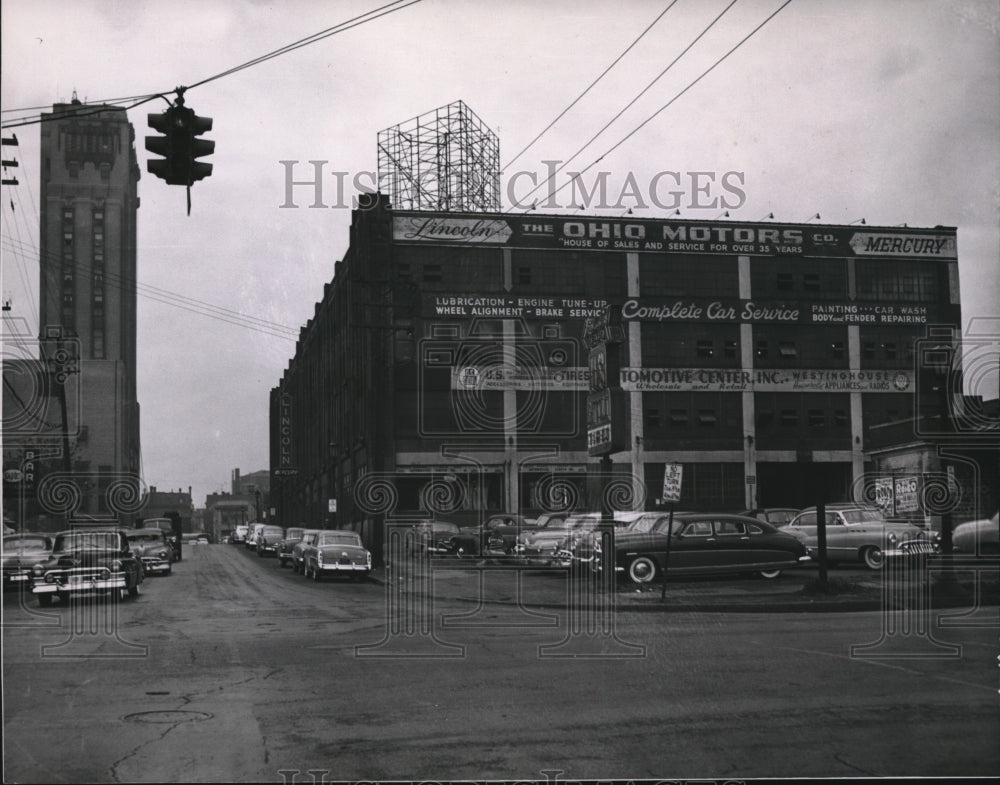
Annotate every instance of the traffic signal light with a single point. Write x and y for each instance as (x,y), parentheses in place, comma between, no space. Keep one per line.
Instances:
(178,145)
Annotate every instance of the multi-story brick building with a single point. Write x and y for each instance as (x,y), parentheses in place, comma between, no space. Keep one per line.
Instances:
(446,357)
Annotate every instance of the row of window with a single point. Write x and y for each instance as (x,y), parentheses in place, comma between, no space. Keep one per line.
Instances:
(569,272)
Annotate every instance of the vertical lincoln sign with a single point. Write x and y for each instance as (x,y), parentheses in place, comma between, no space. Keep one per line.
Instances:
(285,437)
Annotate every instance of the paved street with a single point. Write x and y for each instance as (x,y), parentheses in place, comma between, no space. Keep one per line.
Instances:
(233,669)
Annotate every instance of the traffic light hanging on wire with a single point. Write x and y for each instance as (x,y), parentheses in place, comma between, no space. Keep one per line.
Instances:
(179,145)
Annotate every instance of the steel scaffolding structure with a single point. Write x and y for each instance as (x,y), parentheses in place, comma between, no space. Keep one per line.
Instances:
(445,159)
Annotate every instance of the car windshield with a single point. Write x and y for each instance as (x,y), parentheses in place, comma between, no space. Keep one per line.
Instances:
(862,516)
(345,538)
(18,543)
(146,537)
(294,534)
(272,530)
(83,540)
(642,524)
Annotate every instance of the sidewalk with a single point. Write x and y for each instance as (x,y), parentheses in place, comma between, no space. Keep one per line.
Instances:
(969,584)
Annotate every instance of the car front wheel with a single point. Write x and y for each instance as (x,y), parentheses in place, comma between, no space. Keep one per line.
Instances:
(642,569)
(873,558)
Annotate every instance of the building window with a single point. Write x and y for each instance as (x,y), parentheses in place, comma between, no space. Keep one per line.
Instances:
(840,418)
(705,348)
(432,273)
(652,419)
(730,348)
(868,350)
(707,417)
(785,282)
(524,275)
(679,417)
(837,350)
(790,417)
(762,349)
(889,351)
(817,418)
(787,350)
(811,282)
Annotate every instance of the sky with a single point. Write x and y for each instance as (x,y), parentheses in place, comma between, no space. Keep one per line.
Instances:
(887,111)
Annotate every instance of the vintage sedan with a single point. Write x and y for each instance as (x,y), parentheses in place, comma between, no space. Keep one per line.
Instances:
(153,549)
(293,534)
(268,539)
(980,538)
(87,561)
(431,535)
(496,536)
(860,533)
(20,552)
(337,552)
(705,544)
(298,550)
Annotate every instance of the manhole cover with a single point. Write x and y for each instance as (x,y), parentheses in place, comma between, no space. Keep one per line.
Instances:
(168,717)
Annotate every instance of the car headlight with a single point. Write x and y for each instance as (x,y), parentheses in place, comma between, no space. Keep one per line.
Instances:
(892,538)
(116,565)
(37,570)
(368,558)
(163,554)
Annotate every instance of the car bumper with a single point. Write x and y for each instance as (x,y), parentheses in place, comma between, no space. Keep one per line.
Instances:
(93,582)
(911,548)
(263,548)
(344,568)
(155,565)
(16,578)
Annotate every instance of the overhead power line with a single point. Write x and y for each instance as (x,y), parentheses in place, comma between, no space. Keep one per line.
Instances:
(368,16)
(631,103)
(604,73)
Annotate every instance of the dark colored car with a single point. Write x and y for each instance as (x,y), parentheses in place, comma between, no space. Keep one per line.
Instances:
(706,544)
(153,549)
(20,552)
(268,539)
(87,561)
(778,516)
(293,534)
(431,534)
(497,535)
(298,558)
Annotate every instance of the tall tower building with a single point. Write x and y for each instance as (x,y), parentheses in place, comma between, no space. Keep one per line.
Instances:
(89,178)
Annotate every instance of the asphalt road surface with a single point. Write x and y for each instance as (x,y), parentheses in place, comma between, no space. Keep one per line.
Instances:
(235,670)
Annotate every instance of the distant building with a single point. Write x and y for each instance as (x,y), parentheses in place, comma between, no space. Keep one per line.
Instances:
(161,502)
(70,407)
(256,486)
(225,511)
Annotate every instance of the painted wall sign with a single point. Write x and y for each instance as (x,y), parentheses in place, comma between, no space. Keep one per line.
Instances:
(673,236)
(686,309)
(765,380)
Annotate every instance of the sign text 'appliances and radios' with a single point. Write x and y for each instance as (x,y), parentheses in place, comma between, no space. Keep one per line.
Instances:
(672,236)
(673,473)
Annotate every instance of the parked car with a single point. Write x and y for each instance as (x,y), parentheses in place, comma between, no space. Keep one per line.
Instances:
(981,537)
(336,552)
(431,534)
(293,534)
(20,552)
(497,535)
(556,543)
(240,533)
(268,539)
(582,542)
(87,561)
(779,516)
(153,549)
(705,544)
(860,533)
(298,558)
(252,533)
